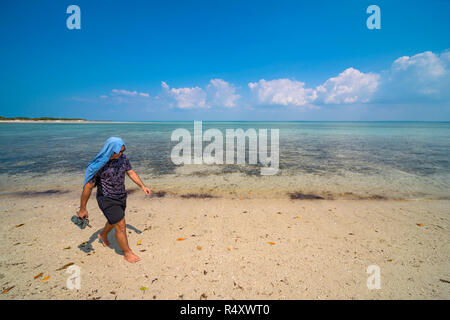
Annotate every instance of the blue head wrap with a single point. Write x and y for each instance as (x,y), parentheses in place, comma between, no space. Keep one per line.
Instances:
(111,146)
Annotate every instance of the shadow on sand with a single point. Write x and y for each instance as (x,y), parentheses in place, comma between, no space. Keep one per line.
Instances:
(87,246)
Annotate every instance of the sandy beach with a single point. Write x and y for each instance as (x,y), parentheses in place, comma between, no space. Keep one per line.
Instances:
(265,150)
(227,248)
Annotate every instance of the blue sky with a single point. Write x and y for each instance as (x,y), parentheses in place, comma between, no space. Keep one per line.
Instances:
(226,60)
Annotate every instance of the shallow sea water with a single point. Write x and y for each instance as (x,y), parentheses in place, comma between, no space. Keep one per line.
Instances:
(400,160)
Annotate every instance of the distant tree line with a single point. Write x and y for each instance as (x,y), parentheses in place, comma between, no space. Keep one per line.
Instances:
(37,119)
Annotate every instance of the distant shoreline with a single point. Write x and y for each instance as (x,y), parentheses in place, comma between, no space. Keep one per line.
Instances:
(60,121)
(56,120)
(51,120)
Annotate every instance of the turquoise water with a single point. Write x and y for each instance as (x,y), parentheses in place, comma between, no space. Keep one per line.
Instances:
(392,159)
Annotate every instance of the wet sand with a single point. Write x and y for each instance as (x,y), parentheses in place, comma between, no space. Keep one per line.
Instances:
(194,247)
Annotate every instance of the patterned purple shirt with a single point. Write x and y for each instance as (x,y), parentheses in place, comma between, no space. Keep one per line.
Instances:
(110,179)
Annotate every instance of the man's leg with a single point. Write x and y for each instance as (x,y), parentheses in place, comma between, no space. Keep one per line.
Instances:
(121,237)
(103,236)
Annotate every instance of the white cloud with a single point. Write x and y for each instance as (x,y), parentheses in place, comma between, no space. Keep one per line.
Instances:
(124,92)
(187,98)
(422,76)
(283,92)
(221,93)
(350,86)
(129,93)
(427,63)
(164,85)
(410,79)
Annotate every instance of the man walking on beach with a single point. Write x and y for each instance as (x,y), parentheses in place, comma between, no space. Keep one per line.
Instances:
(107,172)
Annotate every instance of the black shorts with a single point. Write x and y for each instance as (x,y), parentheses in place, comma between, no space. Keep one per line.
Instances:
(113,209)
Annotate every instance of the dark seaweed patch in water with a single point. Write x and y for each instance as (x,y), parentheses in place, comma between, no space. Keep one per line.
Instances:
(304,196)
(203,173)
(158,194)
(252,171)
(197,196)
(249,170)
(376,197)
(352,196)
(329,196)
(38,193)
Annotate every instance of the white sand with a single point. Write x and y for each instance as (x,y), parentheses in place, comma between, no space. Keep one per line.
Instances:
(322,255)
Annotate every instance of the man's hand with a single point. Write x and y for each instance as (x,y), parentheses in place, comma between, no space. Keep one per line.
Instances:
(87,189)
(146,190)
(83,213)
(134,176)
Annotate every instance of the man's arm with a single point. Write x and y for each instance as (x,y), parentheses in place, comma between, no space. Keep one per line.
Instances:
(83,213)
(134,176)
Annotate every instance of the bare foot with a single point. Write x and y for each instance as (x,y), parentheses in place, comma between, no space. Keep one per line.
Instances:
(103,239)
(131,257)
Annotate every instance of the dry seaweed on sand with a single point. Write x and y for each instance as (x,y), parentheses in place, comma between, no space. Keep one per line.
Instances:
(197,196)
(7,289)
(65,266)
